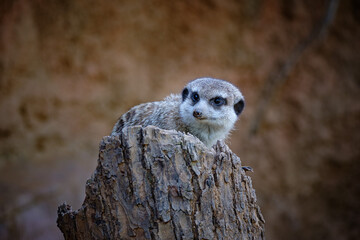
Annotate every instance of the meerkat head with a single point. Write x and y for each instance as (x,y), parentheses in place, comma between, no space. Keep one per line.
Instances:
(210,107)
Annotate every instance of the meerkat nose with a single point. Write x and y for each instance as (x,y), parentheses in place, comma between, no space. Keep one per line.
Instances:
(197,114)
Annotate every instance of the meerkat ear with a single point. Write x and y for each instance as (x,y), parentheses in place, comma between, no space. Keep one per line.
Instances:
(239,106)
(185,93)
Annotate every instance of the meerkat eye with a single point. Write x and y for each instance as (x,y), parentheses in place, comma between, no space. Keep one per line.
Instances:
(218,101)
(195,97)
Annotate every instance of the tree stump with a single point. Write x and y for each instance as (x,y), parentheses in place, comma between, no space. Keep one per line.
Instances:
(159,184)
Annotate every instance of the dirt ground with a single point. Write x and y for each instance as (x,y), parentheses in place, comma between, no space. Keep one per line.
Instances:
(69,69)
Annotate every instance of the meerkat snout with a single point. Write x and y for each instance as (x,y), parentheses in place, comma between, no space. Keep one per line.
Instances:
(197,114)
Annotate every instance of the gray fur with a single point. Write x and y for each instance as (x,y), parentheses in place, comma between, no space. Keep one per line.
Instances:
(176,113)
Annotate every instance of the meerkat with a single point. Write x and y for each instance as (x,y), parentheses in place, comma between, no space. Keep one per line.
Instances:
(207,108)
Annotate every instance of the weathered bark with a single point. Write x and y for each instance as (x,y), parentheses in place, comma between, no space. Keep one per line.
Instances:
(157,184)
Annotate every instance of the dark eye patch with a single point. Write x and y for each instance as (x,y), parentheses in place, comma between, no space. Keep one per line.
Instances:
(218,101)
(195,97)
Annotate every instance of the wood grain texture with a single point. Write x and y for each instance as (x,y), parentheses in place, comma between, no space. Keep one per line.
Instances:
(158,184)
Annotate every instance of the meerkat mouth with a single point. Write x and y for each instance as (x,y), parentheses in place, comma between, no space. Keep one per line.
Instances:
(206,119)
(201,118)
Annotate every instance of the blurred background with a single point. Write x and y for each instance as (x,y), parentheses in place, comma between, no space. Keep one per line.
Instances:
(69,69)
